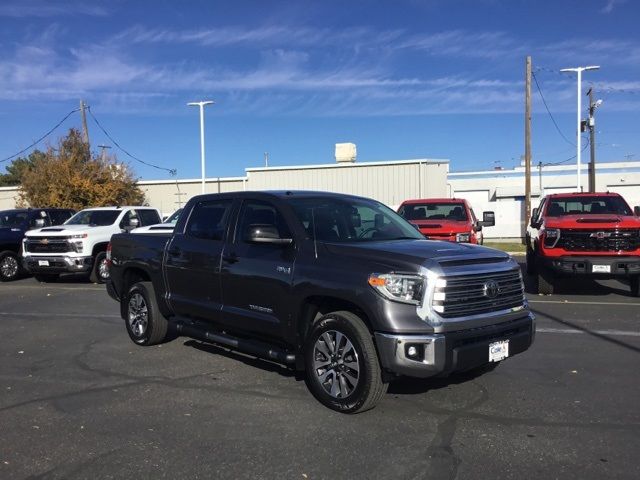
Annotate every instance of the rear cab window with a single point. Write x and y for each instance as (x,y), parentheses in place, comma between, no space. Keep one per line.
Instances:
(148,216)
(209,219)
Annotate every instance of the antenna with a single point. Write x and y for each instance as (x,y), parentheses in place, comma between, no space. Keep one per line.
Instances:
(313,223)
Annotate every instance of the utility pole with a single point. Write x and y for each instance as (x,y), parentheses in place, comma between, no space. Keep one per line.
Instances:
(527,142)
(201,105)
(103,153)
(540,177)
(579,71)
(85,130)
(592,139)
(266,159)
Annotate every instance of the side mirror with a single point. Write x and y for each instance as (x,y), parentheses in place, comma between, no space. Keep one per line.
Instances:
(264,233)
(39,222)
(488,219)
(532,222)
(134,222)
(636,210)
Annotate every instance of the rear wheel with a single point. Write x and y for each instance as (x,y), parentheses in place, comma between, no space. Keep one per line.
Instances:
(9,266)
(343,371)
(100,270)
(634,283)
(145,324)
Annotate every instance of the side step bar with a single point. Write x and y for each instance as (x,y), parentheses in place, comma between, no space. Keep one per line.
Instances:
(252,347)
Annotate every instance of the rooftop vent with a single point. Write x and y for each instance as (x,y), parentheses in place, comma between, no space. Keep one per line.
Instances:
(346,152)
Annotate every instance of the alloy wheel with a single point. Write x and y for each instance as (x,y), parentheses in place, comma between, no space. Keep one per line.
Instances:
(336,365)
(138,315)
(9,267)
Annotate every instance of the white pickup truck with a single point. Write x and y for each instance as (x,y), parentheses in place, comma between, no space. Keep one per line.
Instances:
(80,244)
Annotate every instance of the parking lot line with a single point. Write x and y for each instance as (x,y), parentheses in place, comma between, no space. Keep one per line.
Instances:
(42,314)
(572,302)
(621,333)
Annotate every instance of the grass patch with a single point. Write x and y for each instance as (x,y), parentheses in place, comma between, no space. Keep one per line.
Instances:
(506,246)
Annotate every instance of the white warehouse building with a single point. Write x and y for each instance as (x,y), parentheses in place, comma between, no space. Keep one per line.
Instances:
(391,182)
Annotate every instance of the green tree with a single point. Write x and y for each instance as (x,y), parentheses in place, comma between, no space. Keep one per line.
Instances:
(69,176)
(17,167)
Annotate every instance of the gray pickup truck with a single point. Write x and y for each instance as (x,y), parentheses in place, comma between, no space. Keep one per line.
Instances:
(338,286)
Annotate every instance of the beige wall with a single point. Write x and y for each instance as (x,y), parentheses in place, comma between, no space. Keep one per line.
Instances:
(8,197)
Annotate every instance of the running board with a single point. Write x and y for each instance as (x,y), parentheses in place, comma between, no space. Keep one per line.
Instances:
(252,347)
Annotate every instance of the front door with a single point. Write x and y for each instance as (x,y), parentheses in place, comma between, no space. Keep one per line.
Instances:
(256,277)
(192,261)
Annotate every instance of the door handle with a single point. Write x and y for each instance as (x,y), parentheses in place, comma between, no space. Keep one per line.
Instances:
(231,258)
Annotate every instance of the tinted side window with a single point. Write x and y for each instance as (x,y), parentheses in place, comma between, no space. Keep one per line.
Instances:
(208,219)
(124,223)
(58,217)
(149,217)
(261,213)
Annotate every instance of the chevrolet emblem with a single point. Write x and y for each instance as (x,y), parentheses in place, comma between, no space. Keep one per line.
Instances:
(44,241)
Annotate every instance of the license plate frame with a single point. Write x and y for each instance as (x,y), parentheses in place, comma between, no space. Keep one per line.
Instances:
(43,263)
(601,268)
(498,350)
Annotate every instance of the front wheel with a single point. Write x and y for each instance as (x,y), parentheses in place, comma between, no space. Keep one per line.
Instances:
(9,266)
(634,283)
(343,371)
(100,270)
(145,324)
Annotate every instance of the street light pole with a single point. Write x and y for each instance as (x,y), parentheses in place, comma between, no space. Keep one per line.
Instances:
(579,71)
(202,162)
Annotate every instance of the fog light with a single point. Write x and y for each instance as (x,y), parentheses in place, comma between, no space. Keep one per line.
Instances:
(412,351)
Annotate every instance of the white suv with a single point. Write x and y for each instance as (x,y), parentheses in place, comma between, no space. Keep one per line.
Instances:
(80,244)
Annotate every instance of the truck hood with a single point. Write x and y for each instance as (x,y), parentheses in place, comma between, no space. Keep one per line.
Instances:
(442,227)
(410,255)
(66,230)
(588,222)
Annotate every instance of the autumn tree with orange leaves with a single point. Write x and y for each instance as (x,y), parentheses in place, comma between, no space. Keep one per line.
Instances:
(68,176)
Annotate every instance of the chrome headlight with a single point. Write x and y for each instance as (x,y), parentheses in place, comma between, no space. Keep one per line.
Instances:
(463,237)
(405,288)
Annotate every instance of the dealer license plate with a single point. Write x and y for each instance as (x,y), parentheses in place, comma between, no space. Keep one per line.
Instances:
(601,268)
(498,350)
(43,263)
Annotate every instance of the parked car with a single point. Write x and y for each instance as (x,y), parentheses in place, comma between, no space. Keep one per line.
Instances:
(13,225)
(164,227)
(450,219)
(80,244)
(584,234)
(337,285)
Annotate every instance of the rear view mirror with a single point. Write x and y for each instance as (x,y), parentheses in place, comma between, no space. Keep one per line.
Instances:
(488,219)
(264,233)
(636,210)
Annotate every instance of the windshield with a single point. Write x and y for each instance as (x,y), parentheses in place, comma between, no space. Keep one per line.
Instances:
(94,218)
(351,220)
(174,217)
(434,211)
(587,205)
(13,219)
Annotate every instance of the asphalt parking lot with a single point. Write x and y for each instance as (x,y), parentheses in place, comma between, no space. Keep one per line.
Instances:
(79,400)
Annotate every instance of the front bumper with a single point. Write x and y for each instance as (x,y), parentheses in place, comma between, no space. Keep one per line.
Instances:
(57,264)
(618,266)
(445,353)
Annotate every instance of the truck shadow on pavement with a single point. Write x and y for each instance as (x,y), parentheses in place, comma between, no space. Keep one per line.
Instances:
(416,386)
(575,285)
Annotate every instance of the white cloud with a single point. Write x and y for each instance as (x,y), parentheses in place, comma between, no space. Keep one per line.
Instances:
(610,5)
(40,8)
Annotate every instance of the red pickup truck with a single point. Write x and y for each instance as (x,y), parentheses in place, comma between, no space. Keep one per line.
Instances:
(587,234)
(450,219)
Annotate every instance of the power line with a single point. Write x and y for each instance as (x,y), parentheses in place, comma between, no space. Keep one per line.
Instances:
(549,112)
(42,137)
(172,171)
(586,139)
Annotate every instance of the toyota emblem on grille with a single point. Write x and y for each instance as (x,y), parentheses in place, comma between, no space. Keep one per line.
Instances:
(44,241)
(491,289)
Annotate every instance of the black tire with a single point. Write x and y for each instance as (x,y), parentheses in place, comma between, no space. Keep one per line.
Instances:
(145,324)
(46,278)
(545,282)
(532,267)
(634,283)
(9,266)
(100,270)
(368,389)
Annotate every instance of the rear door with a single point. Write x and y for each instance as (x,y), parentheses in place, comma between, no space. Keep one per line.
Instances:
(256,277)
(192,261)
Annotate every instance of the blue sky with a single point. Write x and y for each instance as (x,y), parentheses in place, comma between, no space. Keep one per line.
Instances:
(401,79)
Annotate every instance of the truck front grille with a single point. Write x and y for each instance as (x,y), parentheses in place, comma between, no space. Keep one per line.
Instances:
(47,245)
(466,295)
(599,240)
